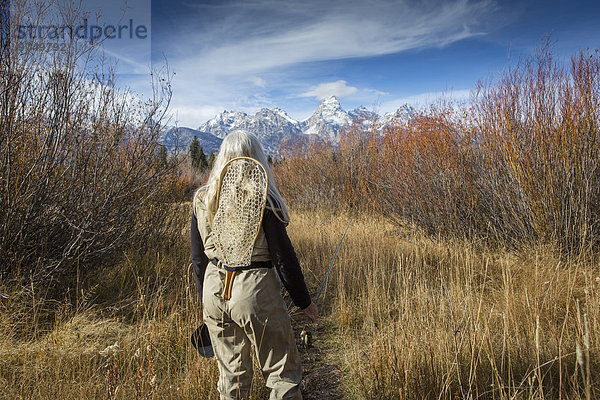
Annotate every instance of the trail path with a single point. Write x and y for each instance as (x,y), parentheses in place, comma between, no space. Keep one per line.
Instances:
(322,375)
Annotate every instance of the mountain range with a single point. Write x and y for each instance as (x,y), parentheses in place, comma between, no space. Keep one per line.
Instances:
(276,129)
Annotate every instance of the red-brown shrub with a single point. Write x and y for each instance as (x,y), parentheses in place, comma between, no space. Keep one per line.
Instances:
(518,165)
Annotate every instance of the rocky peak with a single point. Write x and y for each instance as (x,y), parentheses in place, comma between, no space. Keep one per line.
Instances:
(274,127)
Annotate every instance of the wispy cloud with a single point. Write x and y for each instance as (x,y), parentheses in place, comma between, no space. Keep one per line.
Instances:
(249,40)
(181,114)
(236,47)
(376,92)
(328,89)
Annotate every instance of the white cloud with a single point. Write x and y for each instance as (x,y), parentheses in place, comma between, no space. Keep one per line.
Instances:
(376,92)
(257,81)
(328,89)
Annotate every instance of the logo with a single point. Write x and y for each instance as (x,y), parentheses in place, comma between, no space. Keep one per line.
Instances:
(117,30)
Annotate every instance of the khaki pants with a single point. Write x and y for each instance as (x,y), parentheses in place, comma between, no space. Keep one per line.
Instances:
(255,315)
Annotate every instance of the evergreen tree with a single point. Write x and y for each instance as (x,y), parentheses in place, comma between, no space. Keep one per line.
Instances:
(197,155)
(211,160)
(203,165)
(194,148)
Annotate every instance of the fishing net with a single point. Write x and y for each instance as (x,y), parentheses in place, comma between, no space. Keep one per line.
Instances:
(241,203)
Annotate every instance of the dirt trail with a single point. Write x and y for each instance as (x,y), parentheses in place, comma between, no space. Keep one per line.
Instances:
(322,375)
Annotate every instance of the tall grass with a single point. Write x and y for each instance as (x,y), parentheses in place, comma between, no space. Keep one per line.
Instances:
(413,317)
(426,318)
(127,335)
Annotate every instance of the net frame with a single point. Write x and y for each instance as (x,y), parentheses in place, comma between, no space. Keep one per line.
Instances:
(226,259)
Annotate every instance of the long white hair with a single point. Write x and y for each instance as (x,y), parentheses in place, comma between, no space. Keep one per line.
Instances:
(240,143)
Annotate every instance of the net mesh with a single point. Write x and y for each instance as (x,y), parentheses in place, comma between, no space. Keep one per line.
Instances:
(241,204)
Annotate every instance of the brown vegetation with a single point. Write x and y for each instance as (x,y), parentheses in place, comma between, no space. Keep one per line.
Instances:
(80,177)
(427,318)
(409,316)
(518,166)
(469,270)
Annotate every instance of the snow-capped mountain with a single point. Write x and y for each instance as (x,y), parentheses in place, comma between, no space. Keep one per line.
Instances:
(221,124)
(276,129)
(328,120)
(401,115)
(271,127)
(362,113)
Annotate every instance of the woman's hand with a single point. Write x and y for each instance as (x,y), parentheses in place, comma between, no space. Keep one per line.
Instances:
(311,312)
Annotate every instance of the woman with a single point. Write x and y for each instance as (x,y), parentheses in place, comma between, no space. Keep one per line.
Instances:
(255,314)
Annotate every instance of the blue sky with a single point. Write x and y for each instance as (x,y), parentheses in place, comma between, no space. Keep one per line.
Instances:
(245,55)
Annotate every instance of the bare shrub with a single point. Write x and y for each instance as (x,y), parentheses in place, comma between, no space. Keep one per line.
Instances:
(518,166)
(319,175)
(189,179)
(309,179)
(428,172)
(539,133)
(78,162)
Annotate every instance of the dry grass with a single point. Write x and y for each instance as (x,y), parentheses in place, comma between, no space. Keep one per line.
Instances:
(148,306)
(415,317)
(423,318)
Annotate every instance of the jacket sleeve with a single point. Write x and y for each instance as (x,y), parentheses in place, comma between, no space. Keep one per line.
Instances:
(199,258)
(285,260)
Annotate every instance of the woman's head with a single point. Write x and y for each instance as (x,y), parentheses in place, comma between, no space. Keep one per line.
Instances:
(240,143)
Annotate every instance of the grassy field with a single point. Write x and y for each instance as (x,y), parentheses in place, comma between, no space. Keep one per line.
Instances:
(406,316)
(423,318)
